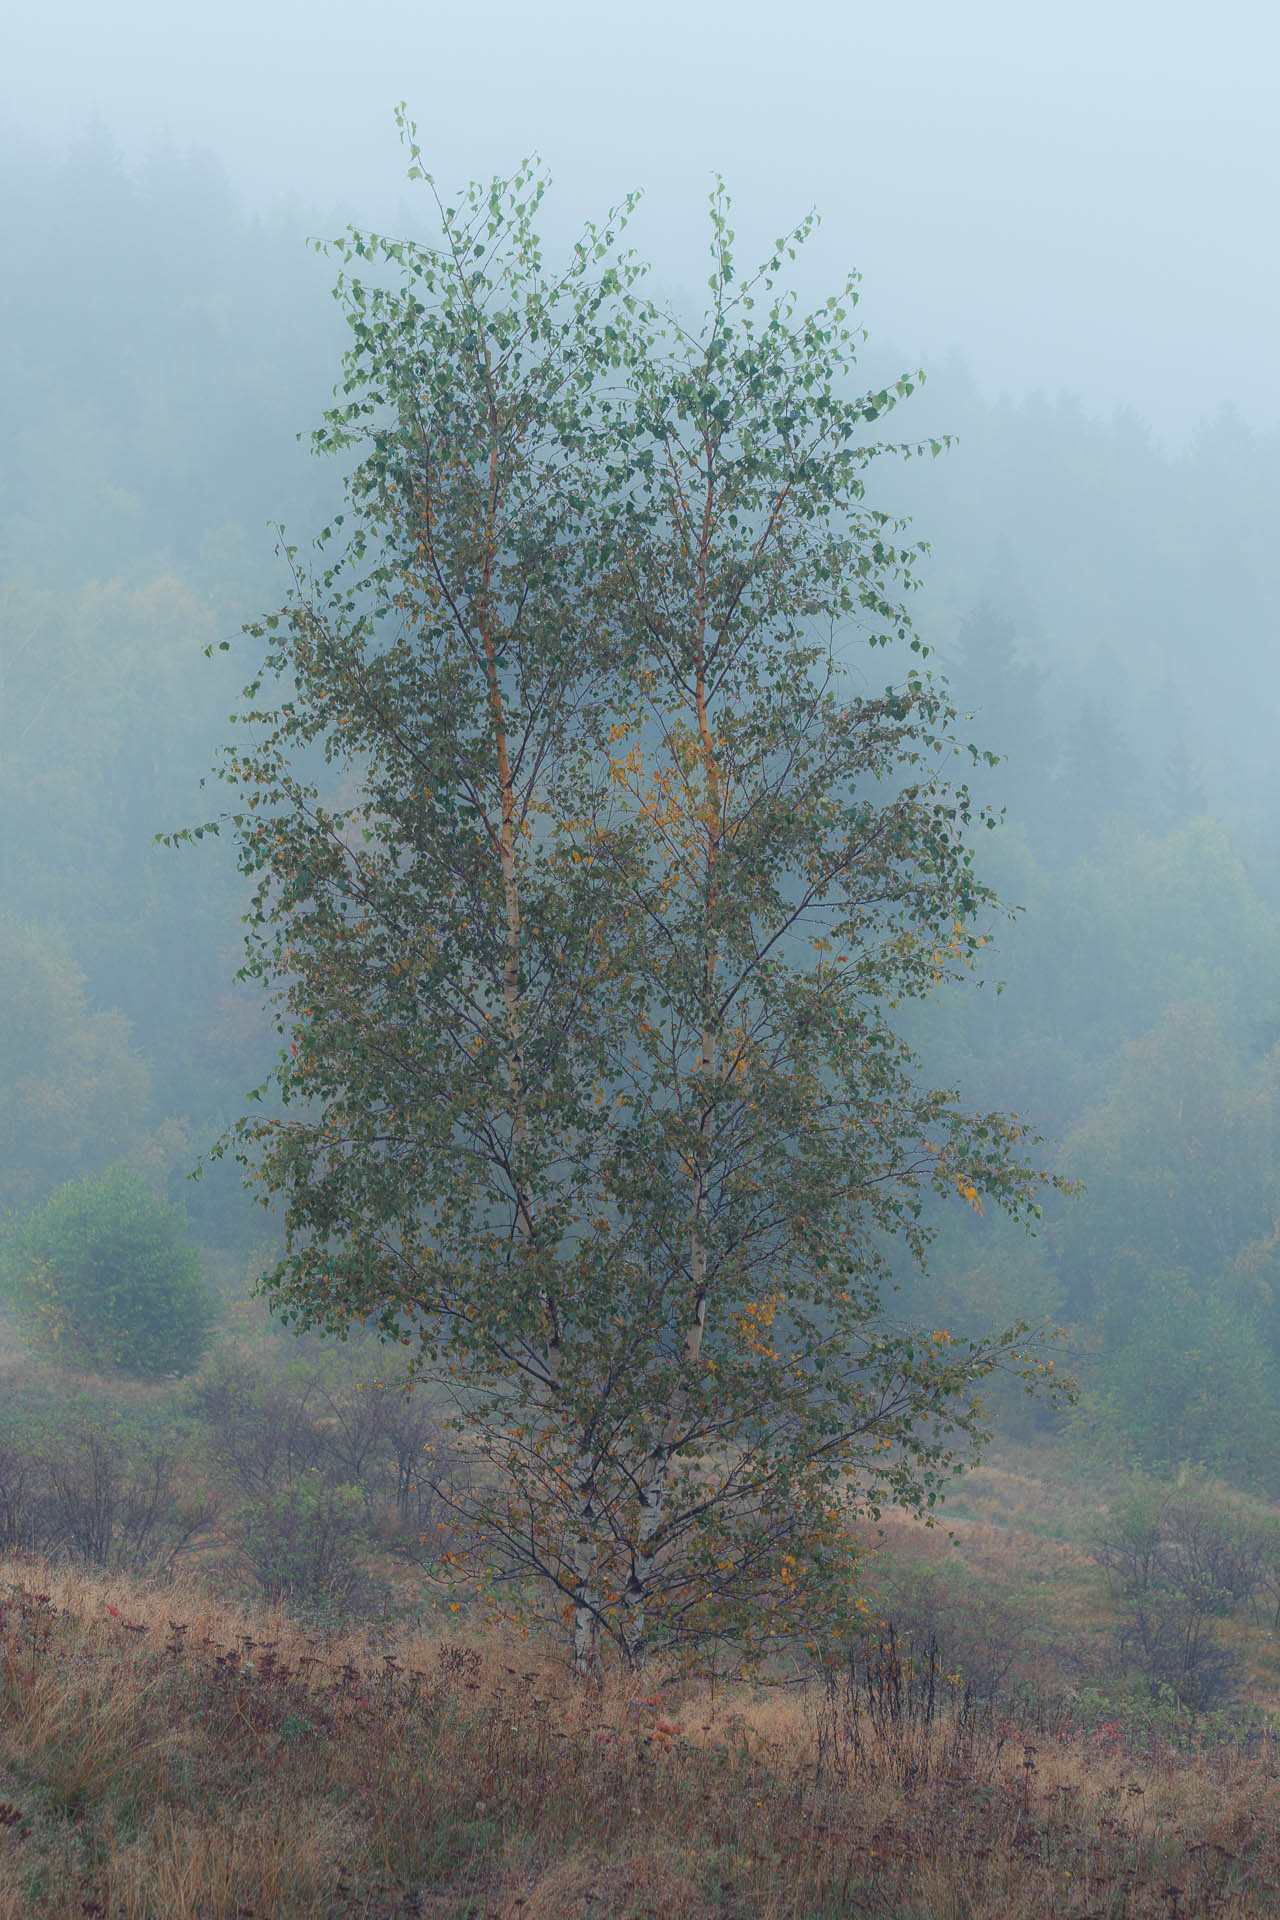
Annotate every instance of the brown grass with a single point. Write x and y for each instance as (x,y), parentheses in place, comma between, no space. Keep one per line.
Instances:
(179,1759)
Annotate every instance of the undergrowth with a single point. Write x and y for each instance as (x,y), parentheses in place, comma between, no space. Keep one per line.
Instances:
(234,1686)
(167,1756)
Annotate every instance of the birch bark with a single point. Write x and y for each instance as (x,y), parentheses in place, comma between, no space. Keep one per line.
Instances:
(654,1484)
(586,1596)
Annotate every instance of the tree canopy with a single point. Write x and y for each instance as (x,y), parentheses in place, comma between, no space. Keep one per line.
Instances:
(588,879)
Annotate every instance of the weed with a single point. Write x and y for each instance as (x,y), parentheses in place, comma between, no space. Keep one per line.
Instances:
(162,1753)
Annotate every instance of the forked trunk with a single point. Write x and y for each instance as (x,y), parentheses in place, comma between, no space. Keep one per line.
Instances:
(654,1486)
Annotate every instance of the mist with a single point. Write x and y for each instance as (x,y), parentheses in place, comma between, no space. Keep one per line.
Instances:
(1063,216)
(1071,197)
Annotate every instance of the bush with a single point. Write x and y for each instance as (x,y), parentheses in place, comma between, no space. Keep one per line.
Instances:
(1178,1559)
(951,1615)
(1164,1382)
(258,1420)
(305,1544)
(116,1502)
(103,1490)
(336,1415)
(101,1277)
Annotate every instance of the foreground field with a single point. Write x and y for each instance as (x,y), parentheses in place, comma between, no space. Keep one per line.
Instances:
(165,1756)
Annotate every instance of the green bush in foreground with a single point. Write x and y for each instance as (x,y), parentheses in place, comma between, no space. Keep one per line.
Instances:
(101,1276)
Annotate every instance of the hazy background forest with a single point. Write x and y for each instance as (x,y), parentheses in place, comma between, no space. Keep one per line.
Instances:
(242,1668)
(1100,592)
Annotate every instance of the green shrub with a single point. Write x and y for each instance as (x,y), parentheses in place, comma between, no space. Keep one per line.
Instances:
(1178,1559)
(101,1277)
(1189,1379)
(970,1629)
(305,1543)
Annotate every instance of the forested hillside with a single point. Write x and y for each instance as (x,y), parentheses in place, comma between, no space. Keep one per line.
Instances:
(1104,607)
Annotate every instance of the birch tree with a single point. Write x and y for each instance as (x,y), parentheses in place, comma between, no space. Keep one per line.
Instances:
(587,926)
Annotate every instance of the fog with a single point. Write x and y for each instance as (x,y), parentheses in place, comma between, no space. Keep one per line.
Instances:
(1064,215)
(1070,196)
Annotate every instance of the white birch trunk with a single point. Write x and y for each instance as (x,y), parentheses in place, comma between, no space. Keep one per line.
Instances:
(587,1665)
(654,1486)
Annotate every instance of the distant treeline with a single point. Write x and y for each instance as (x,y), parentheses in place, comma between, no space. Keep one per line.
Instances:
(1106,609)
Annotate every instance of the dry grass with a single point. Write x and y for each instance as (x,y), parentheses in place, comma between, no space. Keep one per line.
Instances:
(1023,1484)
(165,1756)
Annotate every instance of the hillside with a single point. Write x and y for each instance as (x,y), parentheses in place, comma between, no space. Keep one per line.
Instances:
(174,1743)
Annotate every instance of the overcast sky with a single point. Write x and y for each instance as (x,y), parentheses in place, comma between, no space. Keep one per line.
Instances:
(1074,193)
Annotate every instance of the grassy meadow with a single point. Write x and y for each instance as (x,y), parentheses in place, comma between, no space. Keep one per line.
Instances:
(190,1733)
